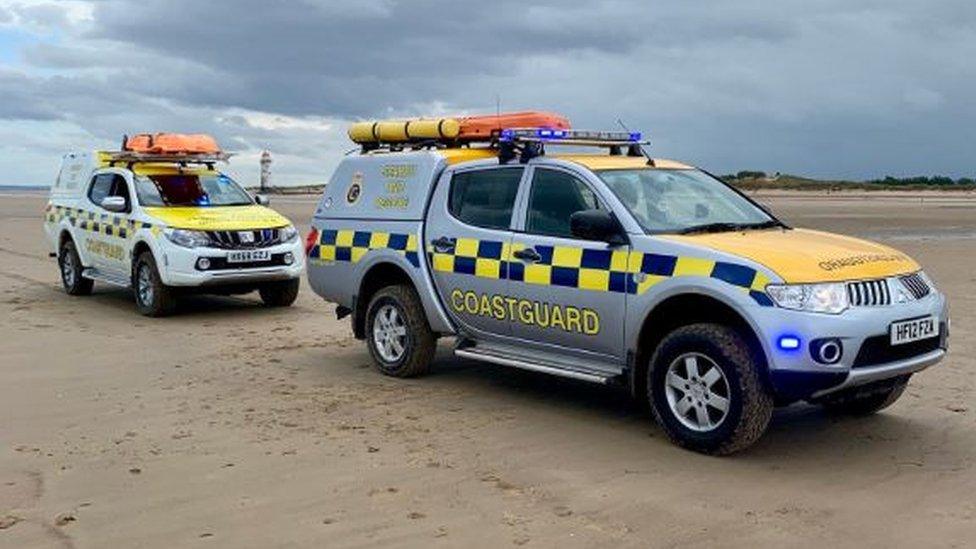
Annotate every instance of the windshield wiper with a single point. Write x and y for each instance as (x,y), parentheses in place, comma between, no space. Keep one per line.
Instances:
(723,227)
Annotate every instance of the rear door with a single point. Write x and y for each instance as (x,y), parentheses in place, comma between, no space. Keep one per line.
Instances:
(578,288)
(468,235)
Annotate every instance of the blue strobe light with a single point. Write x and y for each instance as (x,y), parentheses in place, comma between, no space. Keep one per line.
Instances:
(789,343)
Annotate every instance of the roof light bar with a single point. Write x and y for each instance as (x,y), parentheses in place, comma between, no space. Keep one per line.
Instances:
(569,136)
(188,158)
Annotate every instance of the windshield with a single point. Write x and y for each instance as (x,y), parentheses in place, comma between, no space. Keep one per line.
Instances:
(188,189)
(682,201)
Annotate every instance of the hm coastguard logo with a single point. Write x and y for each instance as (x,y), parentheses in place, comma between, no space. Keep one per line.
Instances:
(355,189)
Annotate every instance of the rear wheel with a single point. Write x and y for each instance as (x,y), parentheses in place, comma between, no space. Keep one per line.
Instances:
(279,294)
(397,333)
(153,298)
(863,401)
(705,391)
(70,265)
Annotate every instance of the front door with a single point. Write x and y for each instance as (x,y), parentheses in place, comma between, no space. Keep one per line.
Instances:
(106,232)
(577,288)
(468,236)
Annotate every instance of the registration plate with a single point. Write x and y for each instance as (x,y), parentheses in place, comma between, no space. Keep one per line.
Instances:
(248,256)
(907,331)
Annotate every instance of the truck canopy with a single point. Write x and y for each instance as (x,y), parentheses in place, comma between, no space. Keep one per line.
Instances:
(388,186)
(76,171)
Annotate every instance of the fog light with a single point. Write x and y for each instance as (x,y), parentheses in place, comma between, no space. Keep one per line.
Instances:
(203,264)
(789,343)
(289,258)
(826,351)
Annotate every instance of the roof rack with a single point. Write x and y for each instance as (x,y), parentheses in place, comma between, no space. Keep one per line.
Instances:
(528,143)
(183,159)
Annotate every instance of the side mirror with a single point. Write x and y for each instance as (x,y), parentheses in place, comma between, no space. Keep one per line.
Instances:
(599,225)
(262,199)
(115,203)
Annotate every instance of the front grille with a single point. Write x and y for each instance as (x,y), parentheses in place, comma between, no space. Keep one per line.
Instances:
(915,284)
(868,293)
(260,238)
(879,350)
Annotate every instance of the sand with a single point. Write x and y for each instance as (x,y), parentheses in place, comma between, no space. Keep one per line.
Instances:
(232,425)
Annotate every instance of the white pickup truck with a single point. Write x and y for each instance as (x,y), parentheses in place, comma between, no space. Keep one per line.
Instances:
(165,225)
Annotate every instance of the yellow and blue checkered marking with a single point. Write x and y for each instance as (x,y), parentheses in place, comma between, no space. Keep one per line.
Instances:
(590,269)
(100,223)
(349,245)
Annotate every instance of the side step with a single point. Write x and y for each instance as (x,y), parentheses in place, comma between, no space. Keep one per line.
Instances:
(505,359)
(108,278)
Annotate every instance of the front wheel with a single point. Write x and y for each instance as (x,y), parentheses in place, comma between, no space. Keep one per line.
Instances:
(279,294)
(153,298)
(705,390)
(397,333)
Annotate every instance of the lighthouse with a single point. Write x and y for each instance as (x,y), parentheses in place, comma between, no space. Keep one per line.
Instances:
(265,171)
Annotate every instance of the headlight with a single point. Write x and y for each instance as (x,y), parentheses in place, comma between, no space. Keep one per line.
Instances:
(187,239)
(815,298)
(289,233)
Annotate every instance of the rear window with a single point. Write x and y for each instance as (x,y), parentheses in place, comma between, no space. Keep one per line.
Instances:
(485,198)
(190,190)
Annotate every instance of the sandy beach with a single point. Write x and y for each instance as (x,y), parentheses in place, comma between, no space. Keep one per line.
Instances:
(232,425)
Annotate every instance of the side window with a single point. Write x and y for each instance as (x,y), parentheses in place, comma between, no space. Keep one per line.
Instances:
(555,196)
(109,184)
(485,198)
(120,188)
(101,187)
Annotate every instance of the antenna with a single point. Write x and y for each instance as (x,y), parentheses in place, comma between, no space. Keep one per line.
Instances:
(498,111)
(637,149)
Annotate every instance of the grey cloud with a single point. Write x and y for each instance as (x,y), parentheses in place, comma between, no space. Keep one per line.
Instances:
(830,88)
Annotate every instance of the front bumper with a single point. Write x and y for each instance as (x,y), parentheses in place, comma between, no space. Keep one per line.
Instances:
(180,265)
(881,372)
(866,356)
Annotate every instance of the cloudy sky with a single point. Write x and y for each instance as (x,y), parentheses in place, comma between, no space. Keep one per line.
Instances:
(829,88)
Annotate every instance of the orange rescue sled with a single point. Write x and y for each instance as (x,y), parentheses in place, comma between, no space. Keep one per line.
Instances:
(171,143)
(483,127)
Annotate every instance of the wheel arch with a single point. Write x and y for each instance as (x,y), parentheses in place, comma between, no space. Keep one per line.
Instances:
(137,249)
(65,235)
(376,276)
(681,310)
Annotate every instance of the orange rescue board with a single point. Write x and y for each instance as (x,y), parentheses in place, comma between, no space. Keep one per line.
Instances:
(171,143)
(483,127)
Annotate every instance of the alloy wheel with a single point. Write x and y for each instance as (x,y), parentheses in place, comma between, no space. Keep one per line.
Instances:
(144,285)
(697,392)
(389,333)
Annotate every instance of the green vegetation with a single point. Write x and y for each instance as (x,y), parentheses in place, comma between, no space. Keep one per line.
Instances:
(756,180)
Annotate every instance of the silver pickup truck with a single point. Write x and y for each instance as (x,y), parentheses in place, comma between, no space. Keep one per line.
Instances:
(615,268)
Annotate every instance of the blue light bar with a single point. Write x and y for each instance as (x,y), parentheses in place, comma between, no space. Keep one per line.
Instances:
(552,134)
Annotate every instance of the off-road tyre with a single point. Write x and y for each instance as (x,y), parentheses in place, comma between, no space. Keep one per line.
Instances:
(70,268)
(418,342)
(161,299)
(864,401)
(280,293)
(750,405)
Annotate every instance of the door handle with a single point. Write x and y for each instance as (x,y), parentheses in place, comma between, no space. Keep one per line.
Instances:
(444,244)
(528,254)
